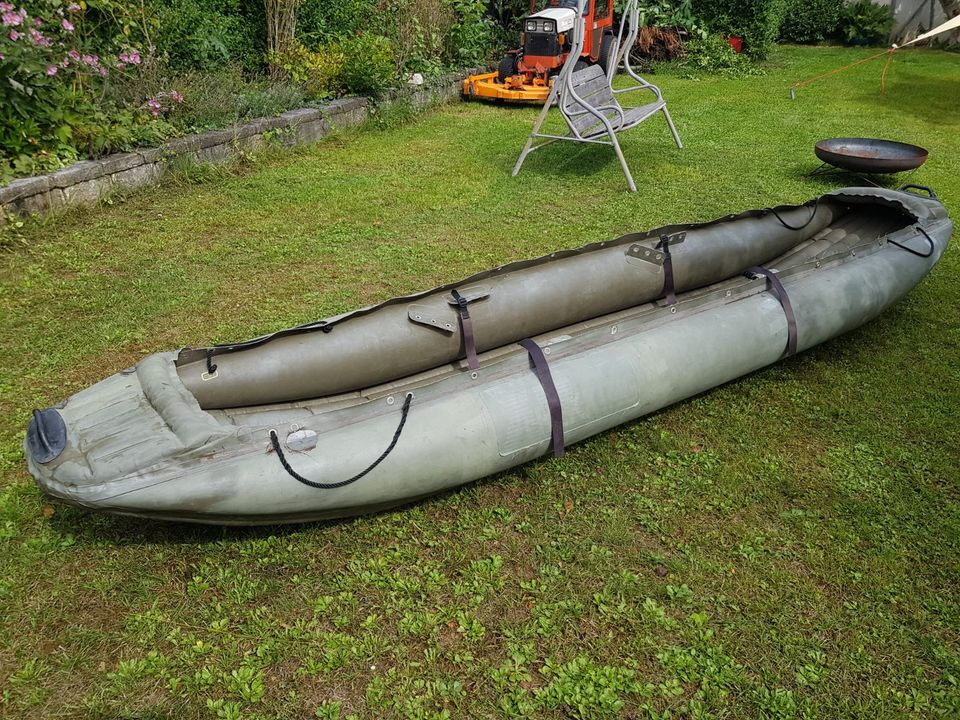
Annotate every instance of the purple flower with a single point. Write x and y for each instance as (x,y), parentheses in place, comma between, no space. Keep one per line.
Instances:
(67,25)
(51,70)
(6,7)
(91,60)
(37,22)
(10,19)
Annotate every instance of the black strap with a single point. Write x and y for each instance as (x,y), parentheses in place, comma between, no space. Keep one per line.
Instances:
(542,370)
(668,290)
(275,441)
(466,329)
(781,294)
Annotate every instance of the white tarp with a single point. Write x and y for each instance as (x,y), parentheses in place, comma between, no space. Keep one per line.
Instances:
(951,24)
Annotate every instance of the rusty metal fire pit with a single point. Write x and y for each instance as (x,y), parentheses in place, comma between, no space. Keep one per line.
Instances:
(867,156)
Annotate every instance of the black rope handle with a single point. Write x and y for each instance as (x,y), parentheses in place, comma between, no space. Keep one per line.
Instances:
(788,226)
(211,366)
(275,441)
(916,252)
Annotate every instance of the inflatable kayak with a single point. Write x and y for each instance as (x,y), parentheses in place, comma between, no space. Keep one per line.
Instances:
(397,401)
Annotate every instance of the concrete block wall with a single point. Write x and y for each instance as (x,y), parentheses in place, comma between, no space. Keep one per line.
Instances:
(89,181)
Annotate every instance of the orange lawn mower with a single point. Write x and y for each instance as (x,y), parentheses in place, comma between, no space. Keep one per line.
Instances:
(525,74)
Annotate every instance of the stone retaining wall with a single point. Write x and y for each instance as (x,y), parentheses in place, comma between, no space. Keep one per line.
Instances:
(89,181)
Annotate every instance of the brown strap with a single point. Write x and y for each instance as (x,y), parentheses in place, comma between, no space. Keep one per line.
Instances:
(542,370)
(466,329)
(781,294)
(668,291)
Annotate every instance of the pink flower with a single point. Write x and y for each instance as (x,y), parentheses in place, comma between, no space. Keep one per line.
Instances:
(65,63)
(67,25)
(74,55)
(91,60)
(51,69)
(132,57)
(104,72)
(39,38)
(37,22)
(121,66)
(6,7)
(14,35)
(73,8)
(176,96)
(10,19)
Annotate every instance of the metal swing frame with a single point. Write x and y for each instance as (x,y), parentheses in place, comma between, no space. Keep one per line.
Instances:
(588,101)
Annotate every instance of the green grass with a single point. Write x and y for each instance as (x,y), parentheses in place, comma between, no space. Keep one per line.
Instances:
(784,546)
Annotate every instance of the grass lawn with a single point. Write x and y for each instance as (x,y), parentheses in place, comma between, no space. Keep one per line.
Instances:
(785,546)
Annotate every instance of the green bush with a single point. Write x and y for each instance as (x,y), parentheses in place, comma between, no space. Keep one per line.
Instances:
(756,21)
(810,21)
(204,35)
(713,55)
(368,64)
(321,22)
(863,23)
(471,38)
(318,72)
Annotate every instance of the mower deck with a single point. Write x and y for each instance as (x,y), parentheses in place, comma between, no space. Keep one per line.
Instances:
(486,86)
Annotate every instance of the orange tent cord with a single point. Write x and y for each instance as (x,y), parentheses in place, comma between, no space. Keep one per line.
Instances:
(888,51)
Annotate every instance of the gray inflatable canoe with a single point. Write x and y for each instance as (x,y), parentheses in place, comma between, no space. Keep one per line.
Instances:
(395,402)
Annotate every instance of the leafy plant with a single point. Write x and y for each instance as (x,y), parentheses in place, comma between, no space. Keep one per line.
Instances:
(318,72)
(810,21)
(863,23)
(756,21)
(368,64)
(713,55)
(57,70)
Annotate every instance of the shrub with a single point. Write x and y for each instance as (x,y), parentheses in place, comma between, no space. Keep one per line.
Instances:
(52,105)
(472,36)
(670,14)
(204,35)
(318,72)
(714,55)
(756,21)
(321,22)
(810,21)
(368,64)
(863,23)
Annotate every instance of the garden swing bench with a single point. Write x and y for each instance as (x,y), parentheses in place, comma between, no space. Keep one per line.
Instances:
(588,102)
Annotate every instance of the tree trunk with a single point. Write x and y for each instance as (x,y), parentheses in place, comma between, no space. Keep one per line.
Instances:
(281,18)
